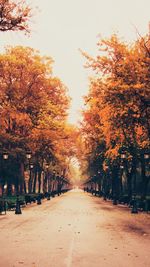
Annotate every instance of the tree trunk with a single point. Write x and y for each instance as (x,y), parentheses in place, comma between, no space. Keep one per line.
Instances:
(30,183)
(45,184)
(129,185)
(115,182)
(129,175)
(9,189)
(21,178)
(145,179)
(34,182)
(25,187)
(39,181)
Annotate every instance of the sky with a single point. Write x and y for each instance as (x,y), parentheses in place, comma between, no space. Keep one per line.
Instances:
(61,27)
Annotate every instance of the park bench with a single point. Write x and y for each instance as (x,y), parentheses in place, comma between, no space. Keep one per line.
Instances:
(11,202)
(11,205)
(123,200)
(46,194)
(53,193)
(2,206)
(144,205)
(30,199)
(147,205)
(38,198)
(42,196)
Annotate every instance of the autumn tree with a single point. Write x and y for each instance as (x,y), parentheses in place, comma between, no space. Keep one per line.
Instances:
(14,15)
(120,95)
(33,107)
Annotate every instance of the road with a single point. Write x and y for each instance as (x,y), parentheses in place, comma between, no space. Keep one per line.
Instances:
(75,230)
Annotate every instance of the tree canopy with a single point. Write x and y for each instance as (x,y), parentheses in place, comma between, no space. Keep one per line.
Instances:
(14,15)
(116,118)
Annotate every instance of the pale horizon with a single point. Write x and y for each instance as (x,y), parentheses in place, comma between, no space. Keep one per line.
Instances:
(61,28)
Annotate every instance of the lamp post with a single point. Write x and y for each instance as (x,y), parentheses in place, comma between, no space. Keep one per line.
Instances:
(116,178)
(18,208)
(48,193)
(134,201)
(122,166)
(99,182)
(30,177)
(146,174)
(105,182)
(5,157)
(28,156)
(121,175)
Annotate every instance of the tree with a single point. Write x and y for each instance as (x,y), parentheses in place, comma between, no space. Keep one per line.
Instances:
(14,15)
(118,100)
(33,107)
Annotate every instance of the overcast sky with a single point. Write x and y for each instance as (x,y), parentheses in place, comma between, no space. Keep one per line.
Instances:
(61,27)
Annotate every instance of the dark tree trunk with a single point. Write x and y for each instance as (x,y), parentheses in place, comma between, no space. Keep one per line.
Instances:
(25,187)
(120,183)
(2,189)
(145,187)
(45,183)
(39,181)
(34,182)
(145,179)
(30,182)
(16,186)
(129,185)
(115,182)
(129,175)
(21,178)
(9,189)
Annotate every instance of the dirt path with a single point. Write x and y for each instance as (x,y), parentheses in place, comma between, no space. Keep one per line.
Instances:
(75,230)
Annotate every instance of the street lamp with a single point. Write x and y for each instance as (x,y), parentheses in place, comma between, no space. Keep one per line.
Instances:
(30,177)
(48,193)
(146,156)
(105,182)
(123,155)
(5,187)
(31,166)
(134,209)
(28,155)
(5,155)
(18,208)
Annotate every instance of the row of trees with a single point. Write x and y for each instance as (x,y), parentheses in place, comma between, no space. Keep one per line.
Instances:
(34,135)
(116,126)
(33,111)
